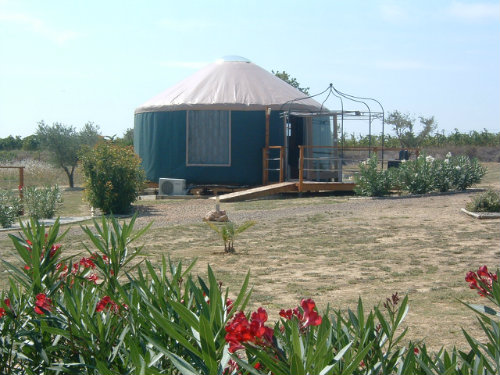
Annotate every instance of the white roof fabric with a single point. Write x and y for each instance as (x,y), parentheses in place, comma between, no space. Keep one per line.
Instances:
(234,84)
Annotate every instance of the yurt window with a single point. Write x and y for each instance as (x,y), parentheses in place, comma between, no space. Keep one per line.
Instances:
(208,138)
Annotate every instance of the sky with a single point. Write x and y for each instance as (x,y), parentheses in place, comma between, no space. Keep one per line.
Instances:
(78,61)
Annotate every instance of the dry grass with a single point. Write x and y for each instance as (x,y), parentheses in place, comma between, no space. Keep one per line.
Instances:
(335,249)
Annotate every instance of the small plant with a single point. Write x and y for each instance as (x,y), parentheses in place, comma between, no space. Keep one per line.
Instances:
(41,202)
(489,201)
(228,232)
(113,177)
(9,208)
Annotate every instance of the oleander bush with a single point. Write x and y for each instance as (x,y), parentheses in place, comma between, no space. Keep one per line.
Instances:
(423,175)
(10,208)
(108,313)
(489,201)
(372,181)
(41,202)
(113,177)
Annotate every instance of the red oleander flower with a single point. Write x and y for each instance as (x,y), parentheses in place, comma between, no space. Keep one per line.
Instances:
(54,249)
(42,304)
(287,314)
(26,267)
(7,303)
(482,280)
(239,330)
(229,304)
(482,271)
(106,303)
(309,317)
(87,263)
(416,351)
(2,312)
(92,277)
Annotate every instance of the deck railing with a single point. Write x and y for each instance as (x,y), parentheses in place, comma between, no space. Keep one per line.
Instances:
(268,159)
(325,163)
(21,178)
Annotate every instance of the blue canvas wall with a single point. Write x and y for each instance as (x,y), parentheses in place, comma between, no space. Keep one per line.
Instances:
(160,141)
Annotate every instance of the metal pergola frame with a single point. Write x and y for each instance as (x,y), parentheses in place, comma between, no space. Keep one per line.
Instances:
(366,114)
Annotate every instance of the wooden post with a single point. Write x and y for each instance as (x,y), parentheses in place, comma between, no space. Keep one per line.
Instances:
(282,154)
(268,114)
(265,155)
(21,182)
(337,164)
(301,168)
(21,188)
(265,164)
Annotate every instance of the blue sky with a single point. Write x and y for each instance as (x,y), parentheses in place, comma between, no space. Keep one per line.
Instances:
(79,61)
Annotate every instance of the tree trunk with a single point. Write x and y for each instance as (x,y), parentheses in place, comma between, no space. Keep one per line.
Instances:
(70,176)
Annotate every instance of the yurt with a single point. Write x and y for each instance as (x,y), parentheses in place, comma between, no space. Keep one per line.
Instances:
(211,127)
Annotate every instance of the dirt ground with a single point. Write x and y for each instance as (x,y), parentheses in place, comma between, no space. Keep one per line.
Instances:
(336,249)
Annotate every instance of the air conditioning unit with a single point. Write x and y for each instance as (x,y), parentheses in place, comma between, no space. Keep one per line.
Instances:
(172,186)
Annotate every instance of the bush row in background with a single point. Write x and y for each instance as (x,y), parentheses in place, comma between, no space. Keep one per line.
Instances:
(423,175)
(38,202)
(92,315)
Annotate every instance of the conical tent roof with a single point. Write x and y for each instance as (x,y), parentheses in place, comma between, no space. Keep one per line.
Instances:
(229,84)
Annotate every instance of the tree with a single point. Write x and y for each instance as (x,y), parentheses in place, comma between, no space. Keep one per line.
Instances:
(64,144)
(291,81)
(127,139)
(403,125)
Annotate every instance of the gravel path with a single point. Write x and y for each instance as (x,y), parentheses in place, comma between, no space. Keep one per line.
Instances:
(192,211)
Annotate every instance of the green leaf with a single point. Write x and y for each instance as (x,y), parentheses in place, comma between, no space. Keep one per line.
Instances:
(208,345)
(357,360)
(484,310)
(189,317)
(341,352)
(184,367)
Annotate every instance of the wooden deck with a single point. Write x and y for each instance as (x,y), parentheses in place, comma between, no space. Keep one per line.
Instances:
(282,187)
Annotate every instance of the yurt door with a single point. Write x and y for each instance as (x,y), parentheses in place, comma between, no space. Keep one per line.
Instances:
(295,138)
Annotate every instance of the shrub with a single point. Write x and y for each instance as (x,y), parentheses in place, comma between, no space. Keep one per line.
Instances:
(489,201)
(41,202)
(466,172)
(416,176)
(371,181)
(113,177)
(420,176)
(9,208)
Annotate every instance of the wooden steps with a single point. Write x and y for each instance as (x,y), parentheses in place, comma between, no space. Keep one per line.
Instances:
(282,187)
